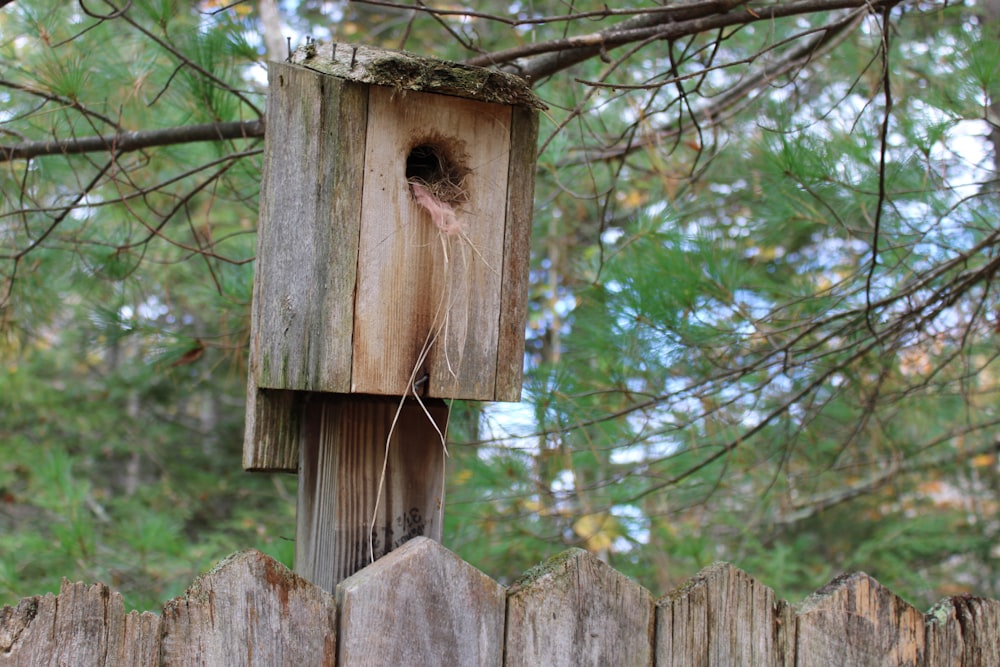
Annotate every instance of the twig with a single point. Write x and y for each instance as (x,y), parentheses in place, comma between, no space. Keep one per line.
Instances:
(883,149)
(123,142)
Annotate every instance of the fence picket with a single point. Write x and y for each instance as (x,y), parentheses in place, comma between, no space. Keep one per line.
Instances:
(422,605)
(962,631)
(250,610)
(83,625)
(722,616)
(575,610)
(854,620)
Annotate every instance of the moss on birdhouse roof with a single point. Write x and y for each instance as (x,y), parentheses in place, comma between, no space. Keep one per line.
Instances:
(406,71)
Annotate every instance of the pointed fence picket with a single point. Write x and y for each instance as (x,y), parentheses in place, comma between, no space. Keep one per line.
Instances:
(422,605)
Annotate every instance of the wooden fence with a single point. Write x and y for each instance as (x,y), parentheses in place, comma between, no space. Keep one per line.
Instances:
(422,605)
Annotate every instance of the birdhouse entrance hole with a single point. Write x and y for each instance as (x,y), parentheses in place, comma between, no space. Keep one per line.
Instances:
(437,164)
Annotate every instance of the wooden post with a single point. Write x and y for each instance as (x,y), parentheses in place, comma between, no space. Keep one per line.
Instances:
(392,263)
(344,446)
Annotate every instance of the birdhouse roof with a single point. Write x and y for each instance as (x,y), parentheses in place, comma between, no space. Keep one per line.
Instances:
(406,71)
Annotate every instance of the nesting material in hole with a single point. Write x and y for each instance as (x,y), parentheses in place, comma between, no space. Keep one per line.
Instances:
(437,180)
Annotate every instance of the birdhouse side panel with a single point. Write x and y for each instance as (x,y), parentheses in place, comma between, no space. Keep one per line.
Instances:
(431,248)
(308,232)
(517,254)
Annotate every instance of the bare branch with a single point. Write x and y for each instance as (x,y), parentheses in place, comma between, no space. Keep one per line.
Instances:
(123,142)
(49,97)
(722,106)
(883,150)
(543,59)
(122,14)
(685,10)
(886,474)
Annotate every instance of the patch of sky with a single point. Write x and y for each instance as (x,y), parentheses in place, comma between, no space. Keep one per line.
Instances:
(728,188)
(656,209)
(564,305)
(563,485)
(650,448)
(510,425)
(740,229)
(828,256)
(635,523)
(614,286)
(751,303)
(151,309)
(611,235)
(963,150)
(85,208)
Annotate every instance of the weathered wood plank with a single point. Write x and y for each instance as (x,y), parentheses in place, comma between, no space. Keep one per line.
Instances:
(516,256)
(250,610)
(414,281)
(343,450)
(307,238)
(576,610)
(854,620)
(356,275)
(83,625)
(722,616)
(273,424)
(963,631)
(785,643)
(421,605)
(406,71)
(308,232)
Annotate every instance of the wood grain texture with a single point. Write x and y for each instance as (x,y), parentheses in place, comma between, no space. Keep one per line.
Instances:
(963,631)
(353,279)
(272,427)
(342,452)
(421,605)
(855,621)
(83,625)
(576,610)
(516,254)
(722,616)
(411,277)
(406,71)
(308,232)
(250,610)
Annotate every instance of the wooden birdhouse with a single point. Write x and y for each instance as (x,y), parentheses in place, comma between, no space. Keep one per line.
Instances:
(395,215)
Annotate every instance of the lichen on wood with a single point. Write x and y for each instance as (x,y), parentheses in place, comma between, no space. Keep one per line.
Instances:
(406,71)
(550,567)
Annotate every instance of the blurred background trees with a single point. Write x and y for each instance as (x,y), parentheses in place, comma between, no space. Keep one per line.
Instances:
(763,321)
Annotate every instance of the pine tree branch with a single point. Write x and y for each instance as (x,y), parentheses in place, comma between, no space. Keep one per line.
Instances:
(124,142)
(886,474)
(573,49)
(731,101)
(514,22)
(543,59)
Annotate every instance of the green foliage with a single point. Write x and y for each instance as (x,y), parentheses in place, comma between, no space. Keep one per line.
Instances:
(716,369)
(124,335)
(718,390)
(122,475)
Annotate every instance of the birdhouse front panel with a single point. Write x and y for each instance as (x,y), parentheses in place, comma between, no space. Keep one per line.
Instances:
(394,224)
(431,251)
